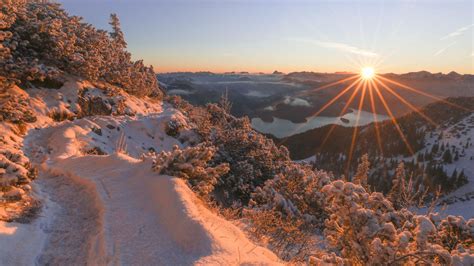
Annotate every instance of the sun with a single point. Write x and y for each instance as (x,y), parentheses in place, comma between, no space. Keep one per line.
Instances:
(367,73)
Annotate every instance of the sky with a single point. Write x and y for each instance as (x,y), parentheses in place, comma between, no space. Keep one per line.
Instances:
(292,35)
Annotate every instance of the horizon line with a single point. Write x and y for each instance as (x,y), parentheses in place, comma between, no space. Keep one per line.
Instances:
(302,71)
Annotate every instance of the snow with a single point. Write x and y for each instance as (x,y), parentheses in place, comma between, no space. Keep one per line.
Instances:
(463,198)
(281,128)
(24,239)
(152,219)
(20,237)
(114,209)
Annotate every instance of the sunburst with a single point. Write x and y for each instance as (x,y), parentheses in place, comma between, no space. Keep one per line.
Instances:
(369,84)
(367,73)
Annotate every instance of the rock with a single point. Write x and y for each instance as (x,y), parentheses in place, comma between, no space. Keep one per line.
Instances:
(97,131)
(91,105)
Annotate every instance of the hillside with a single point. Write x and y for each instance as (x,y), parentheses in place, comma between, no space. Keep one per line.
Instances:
(124,220)
(442,159)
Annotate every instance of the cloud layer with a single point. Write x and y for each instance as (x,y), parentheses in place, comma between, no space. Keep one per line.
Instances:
(458,32)
(442,50)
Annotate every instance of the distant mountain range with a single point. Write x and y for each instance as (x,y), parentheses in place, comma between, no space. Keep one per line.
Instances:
(277,95)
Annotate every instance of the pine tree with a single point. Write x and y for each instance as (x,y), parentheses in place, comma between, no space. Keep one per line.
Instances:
(454,177)
(447,157)
(117,33)
(362,173)
(434,149)
(398,185)
(225,103)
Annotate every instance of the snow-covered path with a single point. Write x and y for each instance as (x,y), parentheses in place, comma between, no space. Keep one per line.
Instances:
(156,220)
(74,233)
(113,209)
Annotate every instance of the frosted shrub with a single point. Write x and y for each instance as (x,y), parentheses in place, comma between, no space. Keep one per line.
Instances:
(15,169)
(40,40)
(405,194)
(294,192)
(102,101)
(456,234)
(175,125)
(288,210)
(365,228)
(252,157)
(191,164)
(287,237)
(362,175)
(16,110)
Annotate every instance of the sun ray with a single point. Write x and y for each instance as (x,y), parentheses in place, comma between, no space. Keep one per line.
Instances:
(335,98)
(356,128)
(344,109)
(424,93)
(394,120)
(374,111)
(411,106)
(331,84)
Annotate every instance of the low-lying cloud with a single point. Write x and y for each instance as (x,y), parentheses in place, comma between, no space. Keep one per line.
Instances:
(296,101)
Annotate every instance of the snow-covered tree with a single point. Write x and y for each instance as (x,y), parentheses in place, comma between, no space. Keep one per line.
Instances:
(39,40)
(365,228)
(398,184)
(288,209)
(362,174)
(191,164)
(294,192)
(117,33)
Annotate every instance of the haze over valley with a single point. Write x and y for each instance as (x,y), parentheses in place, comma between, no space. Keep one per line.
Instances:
(284,104)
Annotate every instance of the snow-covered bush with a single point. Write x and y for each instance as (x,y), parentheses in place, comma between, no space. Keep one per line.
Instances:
(365,228)
(16,173)
(455,233)
(175,125)
(15,109)
(191,164)
(61,114)
(252,157)
(294,192)
(405,193)
(39,40)
(289,238)
(15,169)
(102,101)
(289,209)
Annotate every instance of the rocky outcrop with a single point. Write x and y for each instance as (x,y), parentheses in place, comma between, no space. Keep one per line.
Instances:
(94,101)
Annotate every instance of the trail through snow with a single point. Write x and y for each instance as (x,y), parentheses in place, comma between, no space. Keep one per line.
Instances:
(113,209)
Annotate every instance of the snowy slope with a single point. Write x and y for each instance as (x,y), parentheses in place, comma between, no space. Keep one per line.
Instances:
(112,208)
(157,220)
(461,201)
